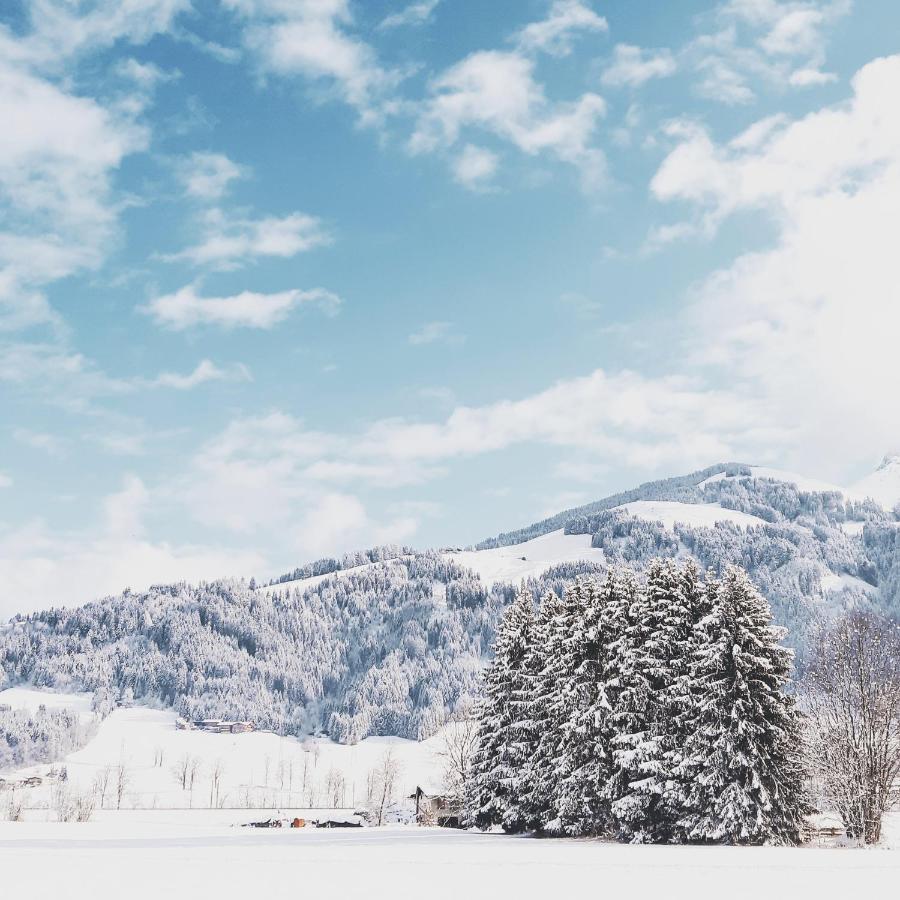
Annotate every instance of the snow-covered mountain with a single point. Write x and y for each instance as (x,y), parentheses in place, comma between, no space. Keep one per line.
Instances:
(883,485)
(387,642)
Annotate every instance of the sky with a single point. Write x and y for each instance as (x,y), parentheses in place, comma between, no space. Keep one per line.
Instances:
(287,278)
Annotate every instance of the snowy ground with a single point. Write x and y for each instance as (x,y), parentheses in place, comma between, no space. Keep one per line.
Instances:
(702,515)
(259,769)
(529,559)
(143,859)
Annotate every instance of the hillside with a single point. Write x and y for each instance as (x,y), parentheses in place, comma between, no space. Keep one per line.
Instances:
(388,642)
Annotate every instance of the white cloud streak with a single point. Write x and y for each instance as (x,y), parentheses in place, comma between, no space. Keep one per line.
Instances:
(187,309)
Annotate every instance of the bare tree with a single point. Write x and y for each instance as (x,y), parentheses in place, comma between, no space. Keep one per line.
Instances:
(336,787)
(192,773)
(851,694)
(456,750)
(215,783)
(382,784)
(101,784)
(123,779)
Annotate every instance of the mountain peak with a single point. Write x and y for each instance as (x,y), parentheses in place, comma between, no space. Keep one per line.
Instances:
(882,485)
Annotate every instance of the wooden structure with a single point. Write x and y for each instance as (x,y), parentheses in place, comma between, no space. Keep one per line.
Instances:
(437,808)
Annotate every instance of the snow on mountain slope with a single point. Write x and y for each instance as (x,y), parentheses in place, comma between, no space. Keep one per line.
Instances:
(883,485)
(703,515)
(304,584)
(529,559)
(803,483)
(31,698)
(257,769)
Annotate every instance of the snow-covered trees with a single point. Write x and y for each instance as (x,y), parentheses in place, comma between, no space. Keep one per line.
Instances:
(41,735)
(652,710)
(504,742)
(741,763)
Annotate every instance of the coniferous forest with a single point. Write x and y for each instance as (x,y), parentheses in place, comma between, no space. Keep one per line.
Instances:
(650,710)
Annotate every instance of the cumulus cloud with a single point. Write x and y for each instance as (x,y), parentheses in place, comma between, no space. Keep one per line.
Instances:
(186,308)
(778,42)
(633,66)
(475,166)
(809,323)
(314,39)
(56,168)
(497,92)
(230,241)
(40,566)
(556,33)
(207,176)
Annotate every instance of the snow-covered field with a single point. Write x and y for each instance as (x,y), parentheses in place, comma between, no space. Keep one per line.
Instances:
(32,698)
(258,769)
(143,859)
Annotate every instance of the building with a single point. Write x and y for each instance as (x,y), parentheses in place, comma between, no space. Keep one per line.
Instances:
(437,809)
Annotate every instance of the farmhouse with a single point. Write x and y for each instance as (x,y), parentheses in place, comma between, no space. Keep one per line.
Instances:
(437,808)
(216,726)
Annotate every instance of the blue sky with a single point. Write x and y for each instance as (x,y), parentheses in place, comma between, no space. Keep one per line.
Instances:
(283,278)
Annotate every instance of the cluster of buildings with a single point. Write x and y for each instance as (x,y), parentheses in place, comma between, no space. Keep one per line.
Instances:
(216,726)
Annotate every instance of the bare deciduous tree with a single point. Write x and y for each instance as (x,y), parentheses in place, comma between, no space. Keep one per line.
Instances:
(382,783)
(851,694)
(456,750)
(123,779)
(101,784)
(215,783)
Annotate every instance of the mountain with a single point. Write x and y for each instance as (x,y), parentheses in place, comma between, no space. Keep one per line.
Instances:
(389,641)
(883,485)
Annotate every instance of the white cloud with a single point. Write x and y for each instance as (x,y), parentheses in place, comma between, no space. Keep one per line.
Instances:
(5,480)
(61,29)
(436,332)
(556,33)
(808,324)
(313,39)
(186,309)
(56,167)
(40,567)
(497,92)
(777,42)
(208,176)
(474,167)
(40,440)
(204,372)
(230,242)
(633,66)
(413,15)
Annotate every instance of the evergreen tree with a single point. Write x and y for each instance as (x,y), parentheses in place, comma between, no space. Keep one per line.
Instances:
(499,754)
(740,772)
(585,753)
(549,673)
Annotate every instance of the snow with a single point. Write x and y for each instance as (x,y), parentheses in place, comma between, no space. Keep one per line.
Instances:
(883,485)
(837,582)
(701,515)
(853,528)
(32,698)
(719,476)
(528,559)
(801,481)
(304,584)
(149,859)
(135,736)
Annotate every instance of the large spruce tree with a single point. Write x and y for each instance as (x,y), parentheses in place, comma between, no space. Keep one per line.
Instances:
(740,771)
(501,752)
